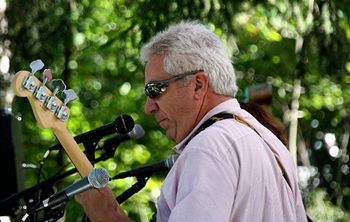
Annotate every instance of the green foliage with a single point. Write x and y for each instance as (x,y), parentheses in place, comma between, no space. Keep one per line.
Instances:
(94,45)
(324,210)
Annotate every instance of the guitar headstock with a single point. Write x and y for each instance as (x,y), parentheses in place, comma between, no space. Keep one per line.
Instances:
(49,110)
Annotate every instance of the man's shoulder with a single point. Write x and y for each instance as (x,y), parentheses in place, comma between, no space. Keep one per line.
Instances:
(227,129)
(223,137)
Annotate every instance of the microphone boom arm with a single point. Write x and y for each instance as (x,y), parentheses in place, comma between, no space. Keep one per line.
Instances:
(139,185)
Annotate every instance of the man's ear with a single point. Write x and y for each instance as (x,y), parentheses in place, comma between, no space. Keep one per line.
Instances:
(201,85)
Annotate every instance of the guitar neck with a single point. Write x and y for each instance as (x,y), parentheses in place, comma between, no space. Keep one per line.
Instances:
(74,152)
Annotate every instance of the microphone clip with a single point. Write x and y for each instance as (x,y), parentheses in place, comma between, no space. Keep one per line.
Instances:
(56,212)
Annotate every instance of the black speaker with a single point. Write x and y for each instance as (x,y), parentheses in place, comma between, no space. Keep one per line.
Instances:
(11,154)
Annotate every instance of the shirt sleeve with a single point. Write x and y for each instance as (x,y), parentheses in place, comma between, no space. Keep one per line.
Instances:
(206,187)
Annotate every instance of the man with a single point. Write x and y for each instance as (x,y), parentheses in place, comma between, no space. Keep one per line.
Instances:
(230,167)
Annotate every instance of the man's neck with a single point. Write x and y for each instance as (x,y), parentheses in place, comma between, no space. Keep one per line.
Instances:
(210,101)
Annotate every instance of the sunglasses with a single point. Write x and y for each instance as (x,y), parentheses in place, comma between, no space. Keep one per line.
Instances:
(153,89)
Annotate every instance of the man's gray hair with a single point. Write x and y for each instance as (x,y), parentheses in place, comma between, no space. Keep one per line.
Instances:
(189,45)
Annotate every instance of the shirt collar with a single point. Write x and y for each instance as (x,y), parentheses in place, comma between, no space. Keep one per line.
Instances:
(226,106)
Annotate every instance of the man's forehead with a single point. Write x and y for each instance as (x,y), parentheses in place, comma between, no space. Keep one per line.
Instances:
(154,69)
(155,61)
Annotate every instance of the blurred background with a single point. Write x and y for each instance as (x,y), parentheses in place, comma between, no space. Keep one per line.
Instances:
(290,56)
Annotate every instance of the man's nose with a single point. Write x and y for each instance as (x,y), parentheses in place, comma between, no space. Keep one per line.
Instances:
(151,106)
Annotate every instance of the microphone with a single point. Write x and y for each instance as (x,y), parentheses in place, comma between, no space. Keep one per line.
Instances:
(136,133)
(122,124)
(97,178)
(149,169)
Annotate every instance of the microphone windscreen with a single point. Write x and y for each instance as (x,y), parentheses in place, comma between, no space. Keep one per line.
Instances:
(137,132)
(124,124)
(98,177)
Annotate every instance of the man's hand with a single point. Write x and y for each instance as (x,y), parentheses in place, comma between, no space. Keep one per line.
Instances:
(101,205)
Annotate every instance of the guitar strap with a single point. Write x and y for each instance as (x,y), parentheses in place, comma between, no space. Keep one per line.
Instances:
(221,116)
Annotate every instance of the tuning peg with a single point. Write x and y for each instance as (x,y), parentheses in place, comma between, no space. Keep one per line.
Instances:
(47,76)
(28,81)
(40,92)
(36,65)
(68,95)
(58,86)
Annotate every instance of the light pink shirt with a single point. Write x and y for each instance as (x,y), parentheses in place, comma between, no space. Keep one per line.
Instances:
(228,173)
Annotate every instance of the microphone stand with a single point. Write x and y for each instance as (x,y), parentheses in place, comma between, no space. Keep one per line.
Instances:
(55,212)
(90,146)
(139,185)
(10,204)
(50,215)
(29,192)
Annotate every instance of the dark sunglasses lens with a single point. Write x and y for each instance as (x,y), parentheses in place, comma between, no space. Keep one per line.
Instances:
(152,90)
